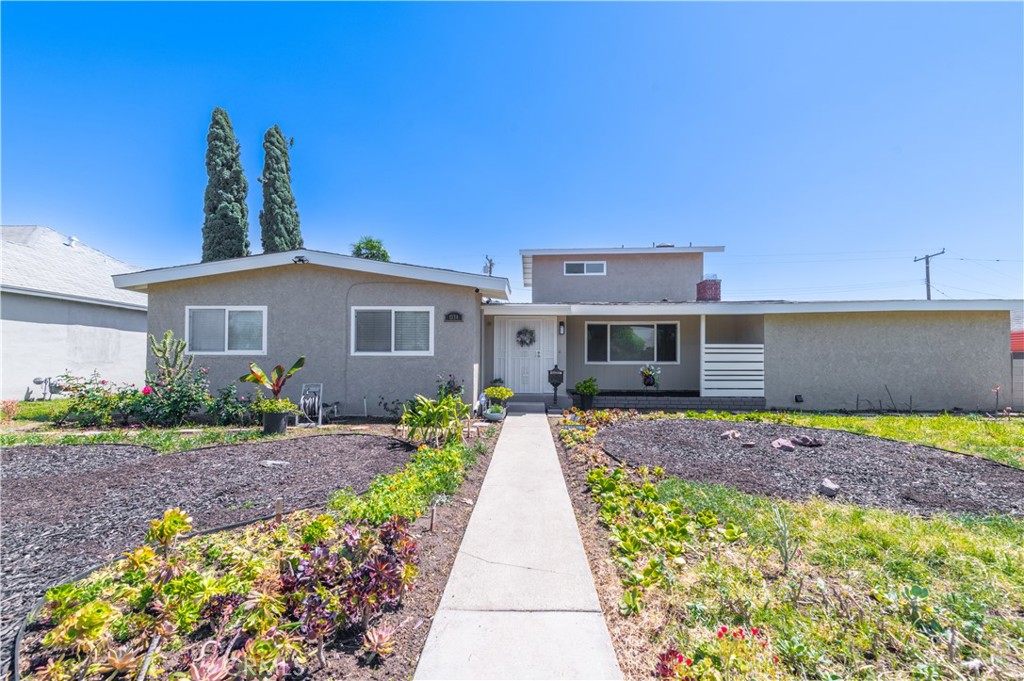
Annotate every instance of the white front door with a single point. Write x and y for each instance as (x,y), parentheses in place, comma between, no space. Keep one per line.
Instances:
(524,351)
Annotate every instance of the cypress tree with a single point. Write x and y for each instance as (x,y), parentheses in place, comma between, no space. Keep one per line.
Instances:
(226,216)
(279,219)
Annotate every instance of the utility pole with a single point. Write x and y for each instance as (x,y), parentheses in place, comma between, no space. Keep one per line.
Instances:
(488,265)
(928,270)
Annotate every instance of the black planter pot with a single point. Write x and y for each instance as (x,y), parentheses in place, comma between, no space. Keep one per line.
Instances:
(586,402)
(275,424)
(649,381)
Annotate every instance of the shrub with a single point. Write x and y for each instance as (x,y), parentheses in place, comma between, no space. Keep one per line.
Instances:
(90,401)
(587,386)
(435,421)
(170,402)
(8,409)
(228,409)
(499,394)
(450,386)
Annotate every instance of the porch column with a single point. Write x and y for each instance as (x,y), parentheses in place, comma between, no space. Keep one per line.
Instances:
(703,341)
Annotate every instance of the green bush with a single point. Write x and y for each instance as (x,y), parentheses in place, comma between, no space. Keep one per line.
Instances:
(587,386)
(435,421)
(228,409)
(499,394)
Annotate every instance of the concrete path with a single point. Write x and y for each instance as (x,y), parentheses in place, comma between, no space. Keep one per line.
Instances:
(520,602)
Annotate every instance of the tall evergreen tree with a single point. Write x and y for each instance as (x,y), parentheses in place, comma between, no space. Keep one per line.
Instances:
(279,219)
(226,216)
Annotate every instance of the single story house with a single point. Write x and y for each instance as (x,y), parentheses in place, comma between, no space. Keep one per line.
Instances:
(373,332)
(60,313)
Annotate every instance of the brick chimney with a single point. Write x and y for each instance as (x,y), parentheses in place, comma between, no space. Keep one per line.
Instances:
(709,289)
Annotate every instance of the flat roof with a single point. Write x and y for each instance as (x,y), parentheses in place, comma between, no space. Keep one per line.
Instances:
(492,287)
(528,254)
(749,307)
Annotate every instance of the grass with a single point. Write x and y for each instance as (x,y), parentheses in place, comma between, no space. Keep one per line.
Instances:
(162,440)
(872,594)
(1001,440)
(42,411)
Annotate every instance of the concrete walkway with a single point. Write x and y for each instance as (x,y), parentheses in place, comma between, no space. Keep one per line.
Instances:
(520,602)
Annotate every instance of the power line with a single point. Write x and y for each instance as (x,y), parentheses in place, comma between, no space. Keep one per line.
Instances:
(928,270)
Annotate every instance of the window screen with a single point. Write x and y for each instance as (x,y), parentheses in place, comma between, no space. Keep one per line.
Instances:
(667,342)
(412,331)
(245,330)
(373,331)
(206,331)
(631,343)
(574,268)
(597,342)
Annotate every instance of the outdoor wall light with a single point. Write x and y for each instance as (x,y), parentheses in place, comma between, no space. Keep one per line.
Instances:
(561,328)
(300,260)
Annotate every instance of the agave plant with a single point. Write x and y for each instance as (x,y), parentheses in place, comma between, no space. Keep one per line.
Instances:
(379,641)
(277,378)
(120,661)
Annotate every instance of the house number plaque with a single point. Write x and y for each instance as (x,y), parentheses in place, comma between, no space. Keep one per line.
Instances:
(453,317)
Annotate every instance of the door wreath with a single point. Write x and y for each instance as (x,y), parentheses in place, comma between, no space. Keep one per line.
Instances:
(525,337)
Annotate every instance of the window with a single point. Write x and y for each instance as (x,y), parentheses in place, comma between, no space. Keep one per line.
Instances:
(632,343)
(226,330)
(595,267)
(393,331)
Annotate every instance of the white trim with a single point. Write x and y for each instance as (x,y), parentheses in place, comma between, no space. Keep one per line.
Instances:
(492,287)
(626,251)
(393,352)
(750,307)
(585,263)
(639,362)
(226,308)
(70,298)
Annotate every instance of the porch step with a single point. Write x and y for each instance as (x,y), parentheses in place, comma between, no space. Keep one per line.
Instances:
(526,408)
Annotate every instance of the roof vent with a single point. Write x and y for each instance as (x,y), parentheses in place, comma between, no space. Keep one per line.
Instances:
(71,242)
(665,245)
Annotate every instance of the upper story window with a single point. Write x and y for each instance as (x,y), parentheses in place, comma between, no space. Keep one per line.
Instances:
(226,330)
(584,268)
(393,331)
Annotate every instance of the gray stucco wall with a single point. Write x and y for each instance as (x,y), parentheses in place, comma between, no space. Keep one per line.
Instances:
(48,337)
(628,278)
(308,313)
(682,376)
(943,359)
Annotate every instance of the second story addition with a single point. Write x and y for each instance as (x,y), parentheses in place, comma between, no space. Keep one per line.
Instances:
(615,275)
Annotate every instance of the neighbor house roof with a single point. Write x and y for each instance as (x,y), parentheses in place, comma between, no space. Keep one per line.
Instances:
(492,287)
(39,261)
(748,307)
(664,249)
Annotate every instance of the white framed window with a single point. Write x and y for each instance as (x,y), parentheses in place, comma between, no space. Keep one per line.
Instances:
(226,329)
(583,268)
(632,342)
(390,330)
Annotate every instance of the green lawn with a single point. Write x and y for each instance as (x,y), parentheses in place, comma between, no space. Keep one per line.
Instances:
(42,411)
(164,440)
(997,439)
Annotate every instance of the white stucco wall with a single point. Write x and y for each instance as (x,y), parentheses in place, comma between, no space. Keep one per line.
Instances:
(42,337)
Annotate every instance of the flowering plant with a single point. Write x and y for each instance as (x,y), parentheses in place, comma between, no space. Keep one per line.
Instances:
(650,374)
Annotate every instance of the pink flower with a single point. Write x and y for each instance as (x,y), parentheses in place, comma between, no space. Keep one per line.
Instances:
(103,381)
(147,390)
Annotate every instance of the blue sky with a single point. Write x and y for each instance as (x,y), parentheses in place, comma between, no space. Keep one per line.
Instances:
(824,145)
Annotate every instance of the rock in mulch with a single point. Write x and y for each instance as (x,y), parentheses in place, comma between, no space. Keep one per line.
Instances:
(784,443)
(869,471)
(827,488)
(67,508)
(731,435)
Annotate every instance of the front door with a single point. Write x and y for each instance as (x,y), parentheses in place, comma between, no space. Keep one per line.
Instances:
(529,351)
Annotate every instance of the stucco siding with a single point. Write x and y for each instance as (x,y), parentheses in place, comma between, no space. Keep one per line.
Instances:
(628,278)
(48,337)
(682,376)
(944,360)
(308,313)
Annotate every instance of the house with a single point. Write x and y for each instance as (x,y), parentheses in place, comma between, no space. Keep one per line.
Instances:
(374,332)
(60,312)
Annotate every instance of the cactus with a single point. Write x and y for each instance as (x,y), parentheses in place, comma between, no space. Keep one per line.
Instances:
(171,360)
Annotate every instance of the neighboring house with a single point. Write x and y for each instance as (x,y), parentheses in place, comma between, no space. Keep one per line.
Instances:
(60,312)
(375,332)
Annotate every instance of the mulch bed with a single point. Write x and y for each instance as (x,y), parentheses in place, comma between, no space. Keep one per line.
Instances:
(869,471)
(65,509)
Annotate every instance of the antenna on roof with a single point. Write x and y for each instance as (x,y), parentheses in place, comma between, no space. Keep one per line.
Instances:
(488,266)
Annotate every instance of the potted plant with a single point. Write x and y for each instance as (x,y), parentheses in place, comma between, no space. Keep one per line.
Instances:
(275,411)
(649,373)
(586,389)
(497,395)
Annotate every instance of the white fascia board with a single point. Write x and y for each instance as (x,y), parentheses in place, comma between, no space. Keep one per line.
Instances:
(75,299)
(740,307)
(492,287)
(522,309)
(618,251)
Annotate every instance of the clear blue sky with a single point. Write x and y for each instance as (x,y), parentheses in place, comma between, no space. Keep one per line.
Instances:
(825,145)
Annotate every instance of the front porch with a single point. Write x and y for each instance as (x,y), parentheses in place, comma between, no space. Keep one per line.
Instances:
(706,361)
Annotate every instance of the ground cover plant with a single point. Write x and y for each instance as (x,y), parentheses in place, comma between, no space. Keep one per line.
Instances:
(267,601)
(715,583)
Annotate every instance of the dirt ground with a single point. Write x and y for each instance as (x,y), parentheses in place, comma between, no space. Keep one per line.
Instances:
(869,471)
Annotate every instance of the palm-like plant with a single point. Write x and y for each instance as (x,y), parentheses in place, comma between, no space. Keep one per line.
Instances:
(277,378)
